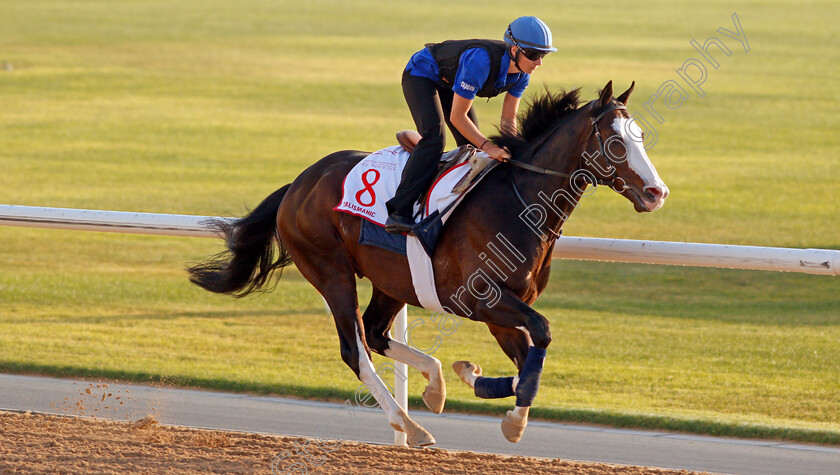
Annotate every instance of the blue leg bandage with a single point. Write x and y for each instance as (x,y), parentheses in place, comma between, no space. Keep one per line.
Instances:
(529,377)
(493,388)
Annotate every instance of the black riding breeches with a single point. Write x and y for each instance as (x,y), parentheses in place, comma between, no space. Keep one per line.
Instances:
(430,108)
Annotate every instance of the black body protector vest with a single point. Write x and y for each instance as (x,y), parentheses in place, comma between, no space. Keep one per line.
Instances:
(448,54)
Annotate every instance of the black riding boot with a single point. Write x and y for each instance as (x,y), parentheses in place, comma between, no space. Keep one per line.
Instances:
(416,178)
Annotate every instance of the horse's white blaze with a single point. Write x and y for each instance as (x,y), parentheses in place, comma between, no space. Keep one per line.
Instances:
(639,162)
(376,387)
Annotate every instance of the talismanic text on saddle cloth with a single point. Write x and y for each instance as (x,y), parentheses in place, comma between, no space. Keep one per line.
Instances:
(358,209)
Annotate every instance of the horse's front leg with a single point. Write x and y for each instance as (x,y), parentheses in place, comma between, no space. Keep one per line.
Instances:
(525,389)
(524,336)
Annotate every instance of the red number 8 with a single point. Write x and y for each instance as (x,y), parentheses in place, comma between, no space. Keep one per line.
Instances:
(368,188)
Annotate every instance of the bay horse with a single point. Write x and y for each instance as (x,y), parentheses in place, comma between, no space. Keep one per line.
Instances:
(516,212)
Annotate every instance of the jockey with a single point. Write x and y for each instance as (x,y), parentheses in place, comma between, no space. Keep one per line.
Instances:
(440,83)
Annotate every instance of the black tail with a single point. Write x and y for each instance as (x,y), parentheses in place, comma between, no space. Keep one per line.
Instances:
(247,264)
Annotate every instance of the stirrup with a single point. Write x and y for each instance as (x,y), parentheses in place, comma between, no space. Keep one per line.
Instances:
(395,224)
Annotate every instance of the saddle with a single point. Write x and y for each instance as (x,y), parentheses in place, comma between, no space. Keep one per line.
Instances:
(408,139)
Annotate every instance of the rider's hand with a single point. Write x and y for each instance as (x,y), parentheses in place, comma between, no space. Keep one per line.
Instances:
(495,152)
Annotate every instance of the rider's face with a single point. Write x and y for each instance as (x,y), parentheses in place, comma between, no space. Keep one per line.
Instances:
(528,65)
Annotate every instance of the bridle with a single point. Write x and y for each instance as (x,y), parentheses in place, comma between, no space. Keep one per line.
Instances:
(589,176)
(601,149)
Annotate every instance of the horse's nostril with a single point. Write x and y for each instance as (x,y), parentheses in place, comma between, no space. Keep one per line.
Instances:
(656,193)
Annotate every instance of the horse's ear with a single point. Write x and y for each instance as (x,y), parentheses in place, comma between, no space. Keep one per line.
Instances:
(626,94)
(606,94)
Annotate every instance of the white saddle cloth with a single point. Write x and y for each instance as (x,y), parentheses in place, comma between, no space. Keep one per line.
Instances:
(374,180)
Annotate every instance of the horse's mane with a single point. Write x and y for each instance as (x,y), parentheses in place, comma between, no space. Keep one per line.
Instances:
(545,112)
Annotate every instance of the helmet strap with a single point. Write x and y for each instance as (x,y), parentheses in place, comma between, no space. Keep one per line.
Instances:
(516,58)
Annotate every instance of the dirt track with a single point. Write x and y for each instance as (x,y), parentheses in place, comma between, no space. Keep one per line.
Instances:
(32,443)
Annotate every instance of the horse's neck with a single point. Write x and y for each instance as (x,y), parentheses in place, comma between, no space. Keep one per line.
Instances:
(557,195)
(504,216)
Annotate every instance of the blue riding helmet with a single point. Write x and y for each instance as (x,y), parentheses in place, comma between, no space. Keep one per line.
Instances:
(529,32)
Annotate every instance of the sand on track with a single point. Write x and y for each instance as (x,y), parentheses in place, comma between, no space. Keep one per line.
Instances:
(38,443)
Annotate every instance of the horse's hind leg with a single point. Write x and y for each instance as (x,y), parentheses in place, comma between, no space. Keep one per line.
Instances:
(356,354)
(330,271)
(377,321)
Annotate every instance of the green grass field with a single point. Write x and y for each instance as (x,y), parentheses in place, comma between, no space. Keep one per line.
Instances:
(207,107)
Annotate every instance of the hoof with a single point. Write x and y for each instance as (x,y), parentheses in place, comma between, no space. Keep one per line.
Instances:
(467,372)
(416,436)
(435,393)
(434,399)
(423,440)
(513,425)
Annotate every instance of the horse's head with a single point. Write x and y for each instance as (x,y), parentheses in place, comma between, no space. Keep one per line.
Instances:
(615,153)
